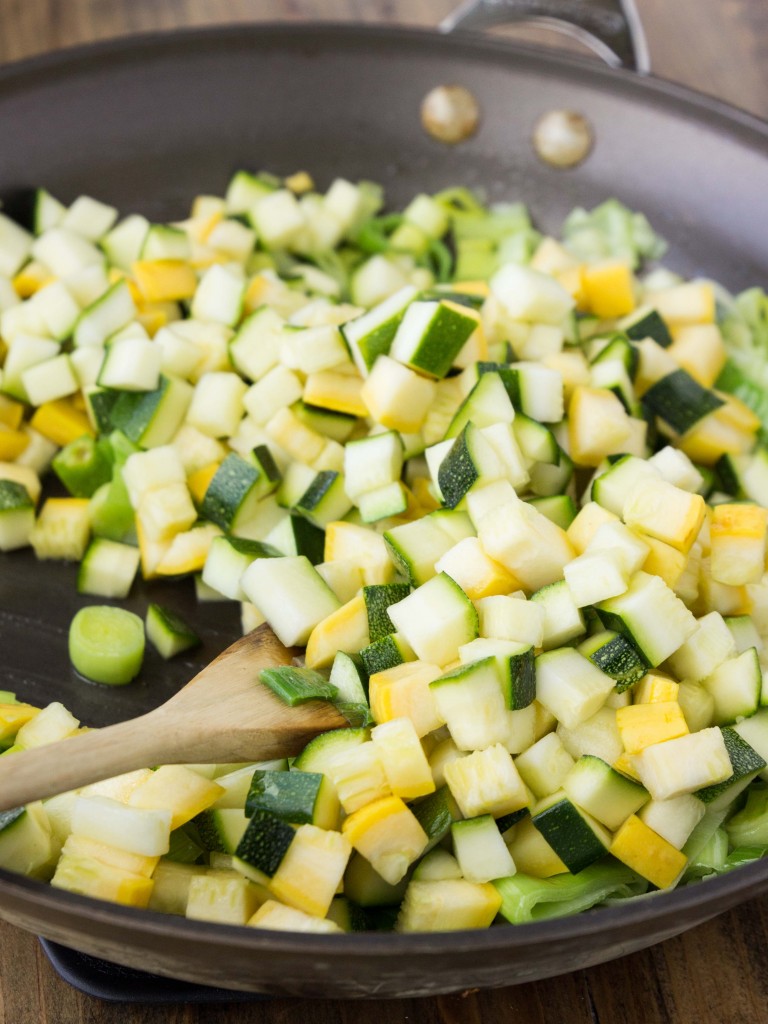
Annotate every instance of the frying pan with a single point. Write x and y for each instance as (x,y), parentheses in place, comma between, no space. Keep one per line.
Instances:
(148,122)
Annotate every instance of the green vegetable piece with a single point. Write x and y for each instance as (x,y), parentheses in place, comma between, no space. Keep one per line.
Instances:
(524,898)
(106,644)
(378,597)
(290,796)
(84,465)
(169,632)
(297,685)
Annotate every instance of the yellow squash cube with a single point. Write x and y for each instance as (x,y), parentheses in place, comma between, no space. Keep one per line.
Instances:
(737,538)
(345,629)
(598,424)
(178,789)
(164,280)
(403,691)
(608,288)
(388,835)
(644,850)
(641,725)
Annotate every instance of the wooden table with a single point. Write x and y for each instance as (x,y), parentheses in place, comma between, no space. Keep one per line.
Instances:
(716,974)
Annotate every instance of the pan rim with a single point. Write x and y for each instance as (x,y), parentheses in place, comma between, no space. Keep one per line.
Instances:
(720,893)
(726,891)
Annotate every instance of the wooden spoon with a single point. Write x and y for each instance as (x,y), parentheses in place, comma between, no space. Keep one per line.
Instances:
(223,715)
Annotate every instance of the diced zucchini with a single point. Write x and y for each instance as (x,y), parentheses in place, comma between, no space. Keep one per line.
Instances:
(575,836)
(108,568)
(371,334)
(651,616)
(602,791)
(615,655)
(169,633)
(296,797)
(480,849)
(570,686)
(436,619)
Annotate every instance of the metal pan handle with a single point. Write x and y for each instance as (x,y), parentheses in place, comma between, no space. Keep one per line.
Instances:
(611,28)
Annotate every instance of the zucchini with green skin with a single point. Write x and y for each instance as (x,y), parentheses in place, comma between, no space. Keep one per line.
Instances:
(168,632)
(615,655)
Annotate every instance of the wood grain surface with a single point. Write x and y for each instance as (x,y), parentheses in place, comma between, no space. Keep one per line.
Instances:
(715,974)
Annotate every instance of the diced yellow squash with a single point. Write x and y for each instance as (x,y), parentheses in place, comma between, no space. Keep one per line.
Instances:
(199,481)
(572,366)
(119,787)
(31,279)
(296,438)
(477,288)
(188,551)
(641,725)
(387,833)
(572,279)
(715,596)
(12,443)
(176,788)
(700,350)
(62,529)
(90,877)
(597,425)
(154,315)
(476,573)
(643,850)
(405,763)
(396,396)
(358,776)
(653,687)
(337,391)
(551,256)
(152,552)
(311,870)
(123,860)
(608,288)
(53,723)
(61,421)
(13,716)
(532,853)
(166,511)
(277,917)
(625,765)
(11,412)
(656,508)
(737,539)
(299,182)
(403,691)
(446,905)
(587,522)
(346,629)
(690,303)
(116,274)
(663,560)
(164,280)
(714,436)
(737,413)
(348,541)
(421,489)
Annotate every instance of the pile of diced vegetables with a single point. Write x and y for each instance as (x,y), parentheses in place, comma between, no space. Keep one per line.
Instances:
(509,492)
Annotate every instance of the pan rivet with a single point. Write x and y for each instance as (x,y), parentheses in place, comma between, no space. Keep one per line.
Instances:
(450,113)
(562,138)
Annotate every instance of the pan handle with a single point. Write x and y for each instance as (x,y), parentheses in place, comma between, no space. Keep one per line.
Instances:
(611,28)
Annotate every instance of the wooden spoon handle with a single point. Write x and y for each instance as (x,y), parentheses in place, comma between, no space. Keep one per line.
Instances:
(87,757)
